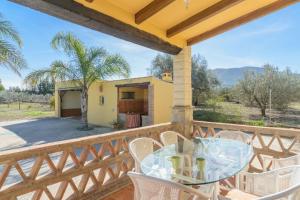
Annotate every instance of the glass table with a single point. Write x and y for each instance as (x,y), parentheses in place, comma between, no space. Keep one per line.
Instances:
(197,162)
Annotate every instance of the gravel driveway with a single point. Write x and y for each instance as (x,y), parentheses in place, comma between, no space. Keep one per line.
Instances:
(20,133)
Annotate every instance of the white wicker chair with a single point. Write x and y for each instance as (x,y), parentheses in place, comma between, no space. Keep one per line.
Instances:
(151,188)
(276,163)
(239,136)
(283,183)
(171,137)
(234,135)
(139,148)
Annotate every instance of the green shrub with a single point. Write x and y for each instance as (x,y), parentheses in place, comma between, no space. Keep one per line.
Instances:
(52,103)
(214,102)
(117,124)
(256,122)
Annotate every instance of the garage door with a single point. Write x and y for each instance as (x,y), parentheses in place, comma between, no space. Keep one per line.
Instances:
(70,106)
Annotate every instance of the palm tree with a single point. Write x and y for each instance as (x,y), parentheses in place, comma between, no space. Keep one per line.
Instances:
(86,66)
(10,56)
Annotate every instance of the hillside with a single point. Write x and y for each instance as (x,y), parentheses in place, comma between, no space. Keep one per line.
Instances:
(230,76)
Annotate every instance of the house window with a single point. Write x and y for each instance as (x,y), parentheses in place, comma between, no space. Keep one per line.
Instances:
(127,95)
(101,88)
(101,100)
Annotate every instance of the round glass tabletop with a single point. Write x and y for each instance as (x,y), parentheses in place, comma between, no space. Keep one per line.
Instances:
(197,162)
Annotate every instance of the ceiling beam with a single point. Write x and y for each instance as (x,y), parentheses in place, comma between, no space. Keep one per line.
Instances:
(277,5)
(79,14)
(151,9)
(201,16)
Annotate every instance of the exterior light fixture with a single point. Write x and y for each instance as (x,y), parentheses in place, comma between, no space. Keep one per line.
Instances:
(187,3)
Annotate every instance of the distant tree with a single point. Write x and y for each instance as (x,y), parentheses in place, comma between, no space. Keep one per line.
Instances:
(256,87)
(85,67)
(1,86)
(228,94)
(14,89)
(10,41)
(45,87)
(202,80)
(160,64)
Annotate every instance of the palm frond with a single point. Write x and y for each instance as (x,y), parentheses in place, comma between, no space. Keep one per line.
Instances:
(114,65)
(8,31)
(11,58)
(68,43)
(75,49)
(37,76)
(96,55)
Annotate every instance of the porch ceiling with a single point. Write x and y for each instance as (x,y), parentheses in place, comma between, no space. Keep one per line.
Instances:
(164,25)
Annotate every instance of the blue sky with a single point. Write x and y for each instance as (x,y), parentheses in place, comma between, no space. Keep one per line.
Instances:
(273,39)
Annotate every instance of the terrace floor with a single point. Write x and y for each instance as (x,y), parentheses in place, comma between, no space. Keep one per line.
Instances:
(123,194)
(127,193)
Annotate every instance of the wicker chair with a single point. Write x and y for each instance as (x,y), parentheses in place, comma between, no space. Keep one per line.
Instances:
(239,136)
(275,163)
(139,148)
(283,183)
(151,188)
(171,137)
(234,135)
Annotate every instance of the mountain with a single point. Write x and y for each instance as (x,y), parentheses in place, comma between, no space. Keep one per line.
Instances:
(230,76)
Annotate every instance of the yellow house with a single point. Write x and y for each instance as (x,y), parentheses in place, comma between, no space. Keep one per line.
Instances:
(148,97)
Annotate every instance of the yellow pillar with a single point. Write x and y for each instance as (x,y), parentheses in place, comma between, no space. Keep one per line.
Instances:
(182,92)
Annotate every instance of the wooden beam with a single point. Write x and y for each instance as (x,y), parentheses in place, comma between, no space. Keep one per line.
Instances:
(151,9)
(79,14)
(279,4)
(201,16)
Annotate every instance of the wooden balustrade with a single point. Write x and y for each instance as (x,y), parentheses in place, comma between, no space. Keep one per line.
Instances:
(86,168)
(267,141)
(95,166)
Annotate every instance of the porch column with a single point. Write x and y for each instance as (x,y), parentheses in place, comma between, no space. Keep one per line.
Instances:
(182,91)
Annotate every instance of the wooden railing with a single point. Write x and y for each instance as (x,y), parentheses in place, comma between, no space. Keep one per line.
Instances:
(83,168)
(95,166)
(267,141)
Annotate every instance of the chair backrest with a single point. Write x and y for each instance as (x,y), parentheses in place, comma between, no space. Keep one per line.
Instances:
(234,135)
(171,137)
(139,148)
(285,162)
(271,185)
(151,188)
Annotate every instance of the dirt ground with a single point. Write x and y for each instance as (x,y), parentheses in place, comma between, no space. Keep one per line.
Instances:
(228,112)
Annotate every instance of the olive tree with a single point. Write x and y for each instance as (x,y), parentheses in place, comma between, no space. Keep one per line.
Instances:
(257,88)
(203,81)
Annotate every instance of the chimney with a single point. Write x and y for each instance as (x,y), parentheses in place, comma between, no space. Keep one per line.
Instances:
(167,76)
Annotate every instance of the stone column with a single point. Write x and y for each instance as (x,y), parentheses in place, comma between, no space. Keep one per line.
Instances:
(151,104)
(182,92)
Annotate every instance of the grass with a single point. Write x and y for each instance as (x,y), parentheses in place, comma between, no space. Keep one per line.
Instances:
(26,111)
(227,112)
